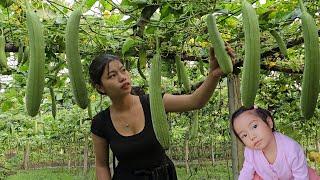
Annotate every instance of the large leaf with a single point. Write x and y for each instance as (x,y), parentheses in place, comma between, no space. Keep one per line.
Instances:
(150,29)
(90,3)
(128,44)
(6,105)
(165,11)
(6,3)
(106,4)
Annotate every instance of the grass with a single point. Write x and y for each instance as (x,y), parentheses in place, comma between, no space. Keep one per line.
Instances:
(197,172)
(205,172)
(52,174)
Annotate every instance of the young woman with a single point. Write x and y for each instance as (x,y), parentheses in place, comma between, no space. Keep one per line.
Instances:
(126,126)
(268,154)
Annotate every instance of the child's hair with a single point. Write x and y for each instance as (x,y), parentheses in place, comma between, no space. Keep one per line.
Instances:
(97,67)
(260,112)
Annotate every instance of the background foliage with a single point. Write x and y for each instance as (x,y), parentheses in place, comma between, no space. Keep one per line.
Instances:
(128,27)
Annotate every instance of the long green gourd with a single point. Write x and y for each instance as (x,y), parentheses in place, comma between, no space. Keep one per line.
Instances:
(223,58)
(310,83)
(3,57)
(35,81)
(183,74)
(282,45)
(159,119)
(251,64)
(74,61)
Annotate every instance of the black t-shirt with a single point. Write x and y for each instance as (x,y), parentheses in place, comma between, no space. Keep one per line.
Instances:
(138,151)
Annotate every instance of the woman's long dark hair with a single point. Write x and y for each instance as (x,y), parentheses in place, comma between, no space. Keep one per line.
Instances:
(97,67)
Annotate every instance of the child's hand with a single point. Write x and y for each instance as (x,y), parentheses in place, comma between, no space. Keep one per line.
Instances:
(214,66)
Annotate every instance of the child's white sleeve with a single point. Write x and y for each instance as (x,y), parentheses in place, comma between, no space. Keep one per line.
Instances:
(247,170)
(299,165)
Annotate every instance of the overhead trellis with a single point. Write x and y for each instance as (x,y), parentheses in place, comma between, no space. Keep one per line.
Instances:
(180,23)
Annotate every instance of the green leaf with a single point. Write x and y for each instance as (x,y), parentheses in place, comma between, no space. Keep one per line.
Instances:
(129,43)
(168,18)
(106,5)
(6,106)
(11,94)
(165,11)
(129,20)
(140,1)
(232,22)
(125,3)
(6,3)
(90,3)
(150,30)
(23,68)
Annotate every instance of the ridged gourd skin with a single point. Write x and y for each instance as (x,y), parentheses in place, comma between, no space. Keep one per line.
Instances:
(159,119)
(282,45)
(74,61)
(35,81)
(183,74)
(3,57)
(251,64)
(218,44)
(310,82)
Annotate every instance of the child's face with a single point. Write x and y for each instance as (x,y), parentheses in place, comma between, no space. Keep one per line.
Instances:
(253,131)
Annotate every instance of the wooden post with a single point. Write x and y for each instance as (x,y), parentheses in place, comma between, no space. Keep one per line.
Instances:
(85,155)
(212,152)
(234,104)
(26,155)
(187,156)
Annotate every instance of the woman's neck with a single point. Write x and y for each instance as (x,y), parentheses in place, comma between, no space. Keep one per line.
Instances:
(122,103)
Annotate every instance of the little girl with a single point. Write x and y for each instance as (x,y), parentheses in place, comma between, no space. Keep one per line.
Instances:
(268,154)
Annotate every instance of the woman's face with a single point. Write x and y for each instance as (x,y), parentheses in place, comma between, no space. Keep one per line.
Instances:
(253,131)
(115,79)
